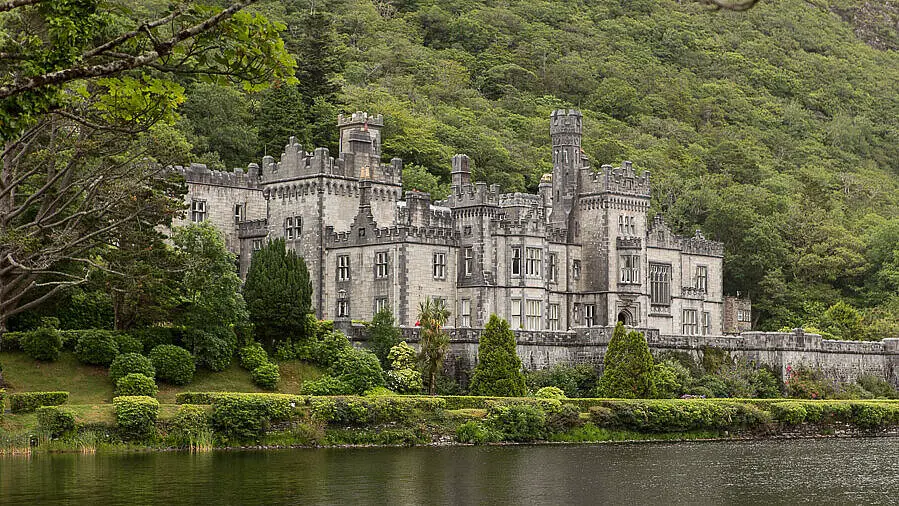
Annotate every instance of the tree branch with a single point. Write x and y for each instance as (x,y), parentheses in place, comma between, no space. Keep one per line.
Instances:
(13,4)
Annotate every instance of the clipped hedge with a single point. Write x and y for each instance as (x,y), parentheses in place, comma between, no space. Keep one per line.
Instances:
(248,417)
(173,364)
(374,410)
(42,344)
(128,343)
(326,385)
(96,347)
(136,416)
(187,425)
(136,384)
(213,397)
(128,363)
(863,414)
(26,402)
(266,376)
(55,421)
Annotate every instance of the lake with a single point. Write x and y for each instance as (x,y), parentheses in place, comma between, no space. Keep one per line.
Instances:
(813,471)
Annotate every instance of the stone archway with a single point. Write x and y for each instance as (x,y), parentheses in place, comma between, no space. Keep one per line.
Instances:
(625,317)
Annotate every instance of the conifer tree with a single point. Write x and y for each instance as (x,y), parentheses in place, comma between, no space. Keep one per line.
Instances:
(383,335)
(278,294)
(628,367)
(498,372)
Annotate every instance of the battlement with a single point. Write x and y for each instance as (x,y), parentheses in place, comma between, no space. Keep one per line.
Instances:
(360,118)
(252,228)
(699,245)
(474,194)
(564,123)
(198,173)
(519,200)
(387,235)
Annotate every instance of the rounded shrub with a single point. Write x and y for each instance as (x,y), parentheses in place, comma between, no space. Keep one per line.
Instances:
(128,363)
(96,347)
(136,416)
(326,385)
(128,344)
(328,348)
(213,347)
(154,336)
(173,364)
(551,393)
(55,421)
(136,384)
(267,376)
(253,356)
(360,369)
(41,344)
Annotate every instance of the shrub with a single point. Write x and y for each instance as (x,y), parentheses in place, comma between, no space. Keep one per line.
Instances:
(628,367)
(41,344)
(679,415)
(383,335)
(136,384)
(152,337)
(213,348)
(403,376)
(55,421)
(26,402)
(326,350)
(247,417)
(671,379)
(326,385)
(360,369)
(285,350)
(517,422)
(173,364)
(267,376)
(96,347)
(473,432)
(377,410)
(379,392)
(498,371)
(136,416)
(128,363)
(550,393)
(576,381)
(253,356)
(128,344)
(2,403)
(792,413)
(714,385)
(565,418)
(187,425)
(804,383)
(878,387)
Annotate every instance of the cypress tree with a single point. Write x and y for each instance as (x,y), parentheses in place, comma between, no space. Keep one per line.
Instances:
(628,367)
(278,294)
(498,372)
(383,335)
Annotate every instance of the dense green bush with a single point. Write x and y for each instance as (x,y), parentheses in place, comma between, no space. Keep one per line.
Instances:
(564,418)
(128,363)
(383,335)
(576,381)
(326,385)
(55,421)
(136,417)
(878,387)
(41,344)
(173,364)
(375,410)
(190,423)
(2,403)
(473,432)
(550,393)
(96,347)
(628,367)
(252,356)
(11,341)
(213,347)
(152,337)
(403,376)
(247,418)
(682,415)
(266,376)
(360,369)
(671,379)
(128,343)
(498,371)
(26,402)
(326,349)
(136,384)
(517,422)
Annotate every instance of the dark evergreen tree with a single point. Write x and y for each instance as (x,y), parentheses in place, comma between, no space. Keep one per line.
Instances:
(628,367)
(383,335)
(278,294)
(498,372)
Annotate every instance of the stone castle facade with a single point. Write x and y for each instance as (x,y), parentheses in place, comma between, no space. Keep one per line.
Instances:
(582,252)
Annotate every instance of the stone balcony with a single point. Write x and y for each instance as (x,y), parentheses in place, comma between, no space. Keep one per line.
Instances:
(690,292)
(629,242)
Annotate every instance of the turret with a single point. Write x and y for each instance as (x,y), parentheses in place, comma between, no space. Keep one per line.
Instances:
(565,128)
(461,174)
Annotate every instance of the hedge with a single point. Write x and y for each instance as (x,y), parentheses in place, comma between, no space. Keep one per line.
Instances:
(374,410)
(41,344)
(136,416)
(248,417)
(96,347)
(213,397)
(173,364)
(266,376)
(26,402)
(136,384)
(128,363)
(55,421)
(187,425)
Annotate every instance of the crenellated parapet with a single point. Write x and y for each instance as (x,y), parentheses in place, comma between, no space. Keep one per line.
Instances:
(198,173)
(620,180)
(439,236)
(660,236)
(252,228)
(476,194)
(699,245)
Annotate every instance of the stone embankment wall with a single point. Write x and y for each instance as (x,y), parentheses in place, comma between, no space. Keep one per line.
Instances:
(839,360)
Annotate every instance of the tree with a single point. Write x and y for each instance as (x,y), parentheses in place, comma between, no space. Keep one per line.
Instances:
(498,372)
(383,335)
(278,294)
(403,376)
(628,367)
(432,316)
(843,321)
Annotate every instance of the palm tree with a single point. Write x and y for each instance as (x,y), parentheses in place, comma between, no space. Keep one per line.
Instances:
(434,341)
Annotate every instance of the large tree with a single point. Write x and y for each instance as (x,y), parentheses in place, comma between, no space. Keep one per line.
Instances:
(627,367)
(432,317)
(498,372)
(85,86)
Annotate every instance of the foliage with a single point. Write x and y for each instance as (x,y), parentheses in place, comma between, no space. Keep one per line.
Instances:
(128,363)
(187,425)
(213,348)
(152,337)
(278,294)
(805,383)
(136,384)
(520,423)
(434,341)
(498,371)
(473,432)
(327,348)
(128,344)
(136,417)
(326,385)
(374,410)
(247,417)
(55,421)
(359,369)
(628,367)
(878,387)
(96,347)
(266,376)
(26,402)
(383,335)
(403,377)
(843,322)
(679,415)
(173,364)
(576,381)
(41,344)
(670,379)
(253,356)
(551,393)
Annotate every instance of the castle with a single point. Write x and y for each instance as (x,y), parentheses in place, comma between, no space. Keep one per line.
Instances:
(581,252)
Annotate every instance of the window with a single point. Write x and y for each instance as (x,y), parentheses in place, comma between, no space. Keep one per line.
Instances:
(240,213)
(534,314)
(293,227)
(343,268)
(468,262)
(589,315)
(743,315)
(381,264)
(576,269)
(515,321)
(702,278)
(534,262)
(465,313)
(516,261)
(627,226)
(706,323)
(197,211)
(381,303)
(630,269)
(439,265)
(576,313)
(551,267)
(257,244)
(690,326)
(343,308)
(553,317)
(467,229)
(660,284)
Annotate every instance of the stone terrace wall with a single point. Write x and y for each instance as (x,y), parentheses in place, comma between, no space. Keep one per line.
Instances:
(839,360)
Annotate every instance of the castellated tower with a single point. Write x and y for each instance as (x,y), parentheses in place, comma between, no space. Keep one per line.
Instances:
(360,143)
(565,128)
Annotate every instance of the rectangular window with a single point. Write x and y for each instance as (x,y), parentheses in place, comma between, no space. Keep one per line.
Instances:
(632,225)
(516,261)
(702,278)
(551,267)
(739,315)
(465,313)
(660,284)
(534,262)
(630,269)
(381,303)
(293,227)
(343,268)
(257,244)
(691,327)
(468,262)
(576,314)
(621,225)
(706,323)
(576,269)
(534,314)
(589,315)
(439,265)
(239,213)
(515,320)
(381,264)
(553,317)
(343,308)
(197,211)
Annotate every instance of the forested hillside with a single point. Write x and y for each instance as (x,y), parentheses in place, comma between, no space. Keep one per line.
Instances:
(775,130)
